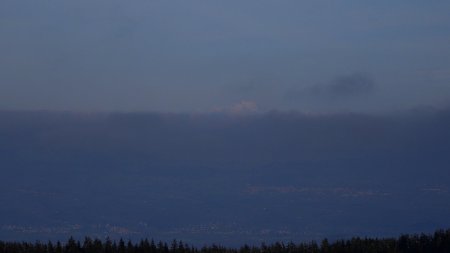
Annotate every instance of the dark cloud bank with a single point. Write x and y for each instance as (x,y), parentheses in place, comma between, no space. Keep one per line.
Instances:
(349,86)
(223,178)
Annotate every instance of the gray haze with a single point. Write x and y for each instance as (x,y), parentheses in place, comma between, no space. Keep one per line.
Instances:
(202,56)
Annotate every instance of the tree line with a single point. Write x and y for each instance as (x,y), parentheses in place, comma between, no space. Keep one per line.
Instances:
(438,242)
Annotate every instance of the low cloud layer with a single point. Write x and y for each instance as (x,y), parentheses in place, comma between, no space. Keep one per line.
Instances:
(235,137)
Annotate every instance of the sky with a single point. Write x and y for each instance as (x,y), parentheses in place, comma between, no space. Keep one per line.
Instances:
(209,56)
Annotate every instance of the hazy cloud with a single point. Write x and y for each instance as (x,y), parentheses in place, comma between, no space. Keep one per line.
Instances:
(241,108)
(356,84)
(356,92)
(351,85)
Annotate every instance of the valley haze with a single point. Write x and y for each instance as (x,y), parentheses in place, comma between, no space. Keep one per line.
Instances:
(222,177)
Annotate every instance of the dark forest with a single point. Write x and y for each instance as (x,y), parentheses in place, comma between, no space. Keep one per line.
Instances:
(438,242)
